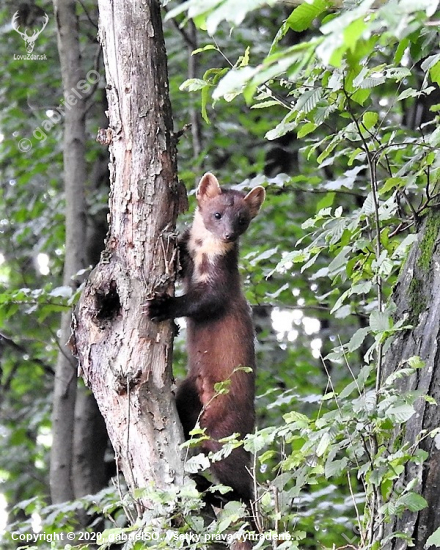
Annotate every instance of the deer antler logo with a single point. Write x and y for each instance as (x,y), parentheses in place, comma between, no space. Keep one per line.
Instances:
(29,40)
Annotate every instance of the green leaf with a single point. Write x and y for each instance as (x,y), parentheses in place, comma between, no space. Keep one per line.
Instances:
(434,138)
(340,260)
(193,84)
(401,373)
(400,413)
(432,65)
(391,184)
(294,417)
(369,119)
(323,444)
(305,129)
(244,59)
(357,153)
(335,467)
(329,149)
(357,339)
(372,81)
(234,82)
(402,250)
(265,104)
(310,262)
(336,43)
(380,321)
(403,44)
(397,73)
(361,288)
(353,32)
(284,127)
(340,301)
(434,73)
(204,49)
(303,16)
(222,388)
(416,362)
(360,96)
(61,292)
(326,201)
(231,513)
(412,502)
(228,10)
(197,463)
(308,101)
(176,11)
(410,92)
(434,539)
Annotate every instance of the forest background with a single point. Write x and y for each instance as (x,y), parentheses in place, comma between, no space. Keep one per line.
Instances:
(334,109)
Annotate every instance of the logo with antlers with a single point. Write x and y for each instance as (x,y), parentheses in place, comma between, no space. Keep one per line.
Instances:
(29,39)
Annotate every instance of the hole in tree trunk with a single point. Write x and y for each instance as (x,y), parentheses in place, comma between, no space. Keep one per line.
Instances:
(108,304)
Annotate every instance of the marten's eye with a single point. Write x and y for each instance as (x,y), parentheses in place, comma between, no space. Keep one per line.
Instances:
(242,221)
(217,216)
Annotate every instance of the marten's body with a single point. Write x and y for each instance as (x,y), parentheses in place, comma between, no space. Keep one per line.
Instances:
(220,335)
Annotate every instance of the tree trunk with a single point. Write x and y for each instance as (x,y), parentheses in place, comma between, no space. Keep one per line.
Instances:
(124,358)
(74,177)
(89,445)
(417,296)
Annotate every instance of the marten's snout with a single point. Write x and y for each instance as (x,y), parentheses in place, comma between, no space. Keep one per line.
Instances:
(230,237)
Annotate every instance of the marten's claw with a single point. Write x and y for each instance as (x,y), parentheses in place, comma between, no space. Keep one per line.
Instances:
(157,309)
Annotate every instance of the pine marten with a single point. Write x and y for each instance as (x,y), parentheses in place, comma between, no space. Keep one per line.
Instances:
(220,334)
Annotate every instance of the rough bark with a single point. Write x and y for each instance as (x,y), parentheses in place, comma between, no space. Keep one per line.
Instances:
(417,296)
(74,178)
(124,358)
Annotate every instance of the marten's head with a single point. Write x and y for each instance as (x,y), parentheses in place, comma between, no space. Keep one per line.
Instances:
(227,213)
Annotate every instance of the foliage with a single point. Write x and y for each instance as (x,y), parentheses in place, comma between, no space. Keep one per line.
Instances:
(347,88)
(335,112)
(31,228)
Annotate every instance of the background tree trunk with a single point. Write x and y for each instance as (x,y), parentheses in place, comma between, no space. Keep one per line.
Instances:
(89,445)
(417,296)
(79,435)
(74,178)
(90,470)
(125,359)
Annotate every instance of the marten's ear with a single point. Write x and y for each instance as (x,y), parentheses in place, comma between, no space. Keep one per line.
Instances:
(255,199)
(208,188)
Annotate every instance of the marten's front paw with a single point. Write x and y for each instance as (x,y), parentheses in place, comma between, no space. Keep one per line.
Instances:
(158,309)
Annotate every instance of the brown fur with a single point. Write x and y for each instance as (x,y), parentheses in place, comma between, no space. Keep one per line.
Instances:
(220,335)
